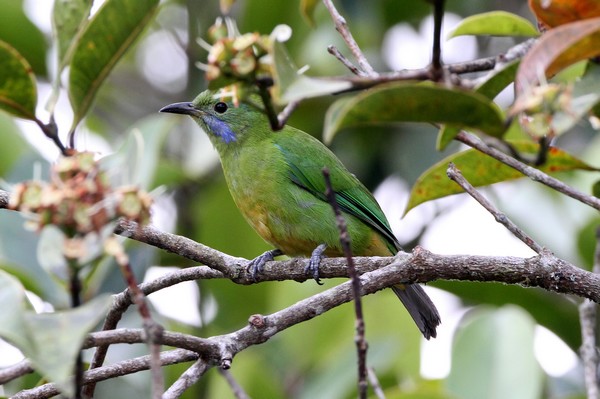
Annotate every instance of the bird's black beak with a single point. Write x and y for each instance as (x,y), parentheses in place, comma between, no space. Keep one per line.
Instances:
(185,108)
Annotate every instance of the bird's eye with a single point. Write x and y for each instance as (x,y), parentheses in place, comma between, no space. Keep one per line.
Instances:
(220,107)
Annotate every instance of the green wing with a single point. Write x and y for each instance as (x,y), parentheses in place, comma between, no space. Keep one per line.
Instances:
(306,163)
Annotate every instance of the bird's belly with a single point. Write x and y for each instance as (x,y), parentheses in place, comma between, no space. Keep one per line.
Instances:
(297,225)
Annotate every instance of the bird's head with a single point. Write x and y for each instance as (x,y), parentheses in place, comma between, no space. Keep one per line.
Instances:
(227,124)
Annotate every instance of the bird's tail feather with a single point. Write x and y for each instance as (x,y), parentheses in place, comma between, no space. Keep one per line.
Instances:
(420,308)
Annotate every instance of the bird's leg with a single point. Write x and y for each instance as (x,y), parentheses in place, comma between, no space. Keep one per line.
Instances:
(313,263)
(256,265)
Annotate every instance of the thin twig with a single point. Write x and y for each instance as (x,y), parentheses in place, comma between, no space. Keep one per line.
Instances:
(374,381)
(331,49)
(186,380)
(236,388)
(153,330)
(531,172)
(455,175)
(265,96)
(284,115)
(75,292)
(361,342)
(342,27)
(589,351)
(50,130)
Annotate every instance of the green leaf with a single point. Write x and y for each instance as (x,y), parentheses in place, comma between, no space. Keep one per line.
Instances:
(56,339)
(22,34)
(494,23)
(107,36)
(402,102)
(307,9)
(293,86)
(480,170)
(490,89)
(492,86)
(12,308)
(50,340)
(10,154)
(68,19)
(18,94)
(492,356)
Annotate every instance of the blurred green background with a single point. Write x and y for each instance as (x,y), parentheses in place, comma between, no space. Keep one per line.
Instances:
(490,344)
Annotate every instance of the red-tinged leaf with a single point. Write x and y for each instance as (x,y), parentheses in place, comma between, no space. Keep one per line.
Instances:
(557,49)
(411,102)
(18,93)
(482,170)
(559,12)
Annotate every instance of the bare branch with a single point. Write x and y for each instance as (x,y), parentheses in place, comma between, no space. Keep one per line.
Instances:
(374,381)
(331,49)
(115,370)
(153,330)
(236,388)
(342,27)
(284,115)
(588,312)
(455,175)
(531,172)
(186,380)
(361,342)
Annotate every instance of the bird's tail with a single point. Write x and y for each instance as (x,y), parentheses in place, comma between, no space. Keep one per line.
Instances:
(420,307)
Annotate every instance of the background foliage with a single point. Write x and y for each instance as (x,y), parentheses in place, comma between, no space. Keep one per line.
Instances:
(492,349)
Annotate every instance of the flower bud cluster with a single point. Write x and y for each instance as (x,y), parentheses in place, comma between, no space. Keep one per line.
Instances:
(79,198)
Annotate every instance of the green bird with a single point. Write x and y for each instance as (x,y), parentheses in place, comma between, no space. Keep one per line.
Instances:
(276,181)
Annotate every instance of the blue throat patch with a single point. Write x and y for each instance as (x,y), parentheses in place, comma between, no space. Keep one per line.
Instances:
(220,129)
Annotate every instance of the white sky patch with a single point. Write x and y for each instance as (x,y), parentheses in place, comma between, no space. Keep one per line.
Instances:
(555,357)
(162,62)
(436,353)
(179,302)
(405,48)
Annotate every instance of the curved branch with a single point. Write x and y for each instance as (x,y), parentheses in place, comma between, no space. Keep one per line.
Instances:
(529,171)
(115,370)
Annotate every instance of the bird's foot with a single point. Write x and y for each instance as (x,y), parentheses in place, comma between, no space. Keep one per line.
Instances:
(256,265)
(314,262)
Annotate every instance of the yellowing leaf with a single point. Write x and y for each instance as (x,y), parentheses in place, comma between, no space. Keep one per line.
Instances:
(481,170)
(18,93)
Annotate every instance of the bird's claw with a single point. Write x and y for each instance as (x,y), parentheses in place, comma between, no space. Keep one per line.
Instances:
(256,265)
(314,262)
